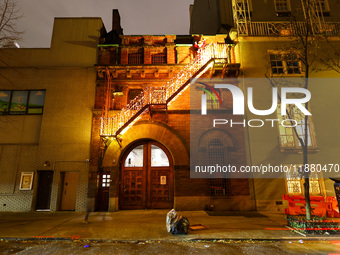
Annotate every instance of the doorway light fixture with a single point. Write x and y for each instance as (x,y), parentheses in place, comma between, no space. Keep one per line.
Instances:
(47,164)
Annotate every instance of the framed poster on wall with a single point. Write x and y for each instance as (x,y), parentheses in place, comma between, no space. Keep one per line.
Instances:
(26,181)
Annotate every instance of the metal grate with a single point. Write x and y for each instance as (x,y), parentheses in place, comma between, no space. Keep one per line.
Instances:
(218,187)
(213,104)
(135,58)
(158,58)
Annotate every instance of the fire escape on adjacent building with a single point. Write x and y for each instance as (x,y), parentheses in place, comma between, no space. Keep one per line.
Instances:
(314,19)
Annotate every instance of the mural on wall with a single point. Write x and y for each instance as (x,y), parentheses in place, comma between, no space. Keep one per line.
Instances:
(18,102)
(22,102)
(4,101)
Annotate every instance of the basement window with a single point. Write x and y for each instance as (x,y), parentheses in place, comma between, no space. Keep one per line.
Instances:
(294,181)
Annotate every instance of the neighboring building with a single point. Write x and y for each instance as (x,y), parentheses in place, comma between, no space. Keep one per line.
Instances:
(46,102)
(264,33)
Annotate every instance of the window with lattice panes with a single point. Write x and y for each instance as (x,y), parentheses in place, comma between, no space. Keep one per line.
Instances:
(213,102)
(158,58)
(19,102)
(295,181)
(136,57)
(323,5)
(282,64)
(288,137)
(282,5)
(245,5)
(106,180)
(218,187)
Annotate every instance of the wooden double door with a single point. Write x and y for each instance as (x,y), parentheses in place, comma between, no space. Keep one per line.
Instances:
(146,177)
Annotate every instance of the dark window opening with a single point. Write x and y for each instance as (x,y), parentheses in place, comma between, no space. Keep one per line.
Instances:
(133,93)
(218,187)
(136,58)
(158,58)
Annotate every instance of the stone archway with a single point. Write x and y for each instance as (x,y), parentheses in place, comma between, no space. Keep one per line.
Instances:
(156,131)
(173,143)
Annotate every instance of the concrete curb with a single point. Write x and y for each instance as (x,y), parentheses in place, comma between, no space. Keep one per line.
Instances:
(171,241)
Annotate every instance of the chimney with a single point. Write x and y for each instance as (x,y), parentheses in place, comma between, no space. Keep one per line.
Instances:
(116,21)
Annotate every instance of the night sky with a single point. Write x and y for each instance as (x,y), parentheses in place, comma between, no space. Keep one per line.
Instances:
(155,17)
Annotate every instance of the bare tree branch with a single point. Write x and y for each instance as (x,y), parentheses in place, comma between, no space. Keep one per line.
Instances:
(9,15)
(305,49)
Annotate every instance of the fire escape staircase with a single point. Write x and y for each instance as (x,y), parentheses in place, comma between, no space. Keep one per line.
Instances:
(158,97)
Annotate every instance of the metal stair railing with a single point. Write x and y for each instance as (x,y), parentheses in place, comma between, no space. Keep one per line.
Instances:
(118,124)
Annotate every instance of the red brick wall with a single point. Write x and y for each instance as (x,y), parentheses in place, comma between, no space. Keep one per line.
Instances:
(177,117)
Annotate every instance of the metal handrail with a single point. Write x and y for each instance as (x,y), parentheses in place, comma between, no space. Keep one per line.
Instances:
(160,95)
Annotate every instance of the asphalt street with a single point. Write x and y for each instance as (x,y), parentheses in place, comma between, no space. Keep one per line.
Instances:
(161,247)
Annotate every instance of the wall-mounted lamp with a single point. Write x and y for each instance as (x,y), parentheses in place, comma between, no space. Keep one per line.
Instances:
(47,164)
(118,93)
(229,41)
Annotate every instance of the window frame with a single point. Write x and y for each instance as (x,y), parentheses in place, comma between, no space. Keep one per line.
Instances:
(326,4)
(106,180)
(136,56)
(296,144)
(27,103)
(300,180)
(210,102)
(159,56)
(219,188)
(285,65)
(289,9)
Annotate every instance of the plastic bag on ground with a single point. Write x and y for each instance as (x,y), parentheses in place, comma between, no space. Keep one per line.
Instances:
(176,224)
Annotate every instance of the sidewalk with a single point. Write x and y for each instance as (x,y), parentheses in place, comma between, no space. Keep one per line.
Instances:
(142,225)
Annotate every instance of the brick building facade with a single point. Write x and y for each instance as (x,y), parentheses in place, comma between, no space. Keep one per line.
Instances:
(131,65)
(51,142)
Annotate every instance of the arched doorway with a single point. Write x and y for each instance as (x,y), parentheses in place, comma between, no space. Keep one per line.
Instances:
(146,177)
